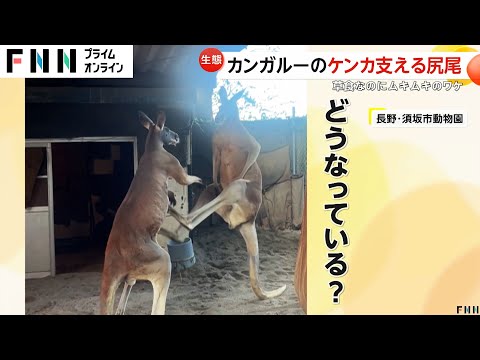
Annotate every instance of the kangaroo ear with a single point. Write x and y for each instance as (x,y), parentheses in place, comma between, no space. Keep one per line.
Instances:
(223,95)
(145,120)
(161,118)
(238,95)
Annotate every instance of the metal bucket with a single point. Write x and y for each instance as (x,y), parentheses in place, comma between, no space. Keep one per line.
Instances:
(182,256)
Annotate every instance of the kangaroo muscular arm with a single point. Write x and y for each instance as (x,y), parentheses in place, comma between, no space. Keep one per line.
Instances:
(175,170)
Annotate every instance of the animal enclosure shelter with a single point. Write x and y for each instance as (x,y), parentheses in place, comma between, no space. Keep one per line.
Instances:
(84,143)
(75,184)
(76,177)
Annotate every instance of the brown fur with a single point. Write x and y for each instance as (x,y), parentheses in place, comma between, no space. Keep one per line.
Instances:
(237,176)
(132,252)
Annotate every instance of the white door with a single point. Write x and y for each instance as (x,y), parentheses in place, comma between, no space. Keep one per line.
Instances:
(39,247)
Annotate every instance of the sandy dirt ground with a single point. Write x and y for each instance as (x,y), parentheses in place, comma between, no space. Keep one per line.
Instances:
(217,284)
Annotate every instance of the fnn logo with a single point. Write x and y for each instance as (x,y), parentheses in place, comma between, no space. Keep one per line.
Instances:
(69,61)
(40,60)
(467,310)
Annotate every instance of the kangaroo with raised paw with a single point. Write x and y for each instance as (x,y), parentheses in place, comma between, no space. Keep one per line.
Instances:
(132,252)
(236,192)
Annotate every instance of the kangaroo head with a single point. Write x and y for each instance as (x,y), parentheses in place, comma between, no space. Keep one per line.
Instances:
(158,133)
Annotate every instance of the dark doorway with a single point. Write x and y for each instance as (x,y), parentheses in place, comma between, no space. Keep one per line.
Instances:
(90,180)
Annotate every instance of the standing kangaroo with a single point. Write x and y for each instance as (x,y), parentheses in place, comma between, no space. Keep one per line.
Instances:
(236,192)
(132,252)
